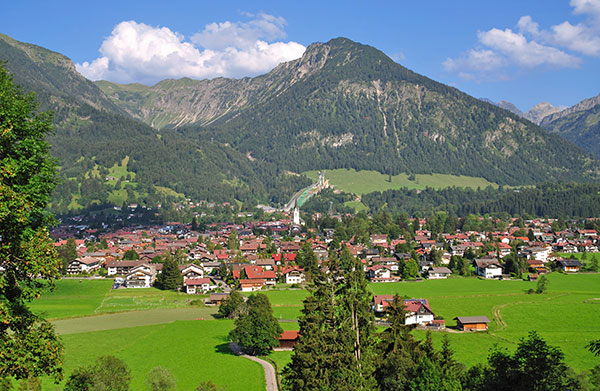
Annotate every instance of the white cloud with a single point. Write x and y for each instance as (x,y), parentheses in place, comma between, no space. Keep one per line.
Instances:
(240,35)
(586,7)
(136,52)
(523,52)
(475,64)
(531,47)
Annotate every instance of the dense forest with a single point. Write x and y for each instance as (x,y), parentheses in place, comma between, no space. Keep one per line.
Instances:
(567,200)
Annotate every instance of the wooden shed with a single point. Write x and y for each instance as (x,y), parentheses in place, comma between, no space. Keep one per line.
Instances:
(288,339)
(472,323)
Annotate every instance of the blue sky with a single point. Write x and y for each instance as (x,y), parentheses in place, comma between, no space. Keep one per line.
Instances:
(525,52)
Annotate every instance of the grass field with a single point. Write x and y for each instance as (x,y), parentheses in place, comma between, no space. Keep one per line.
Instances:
(366,181)
(167,334)
(194,351)
(73,298)
(566,316)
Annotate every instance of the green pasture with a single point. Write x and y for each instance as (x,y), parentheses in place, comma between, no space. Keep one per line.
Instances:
(83,297)
(368,181)
(194,351)
(120,320)
(167,334)
(567,316)
(72,298)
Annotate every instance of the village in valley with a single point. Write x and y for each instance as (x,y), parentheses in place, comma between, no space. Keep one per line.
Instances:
(272,255)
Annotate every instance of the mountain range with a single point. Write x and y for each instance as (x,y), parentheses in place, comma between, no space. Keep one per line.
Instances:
(579,124)
(341,105)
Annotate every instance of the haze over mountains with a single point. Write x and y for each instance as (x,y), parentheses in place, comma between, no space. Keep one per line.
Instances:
(342,105)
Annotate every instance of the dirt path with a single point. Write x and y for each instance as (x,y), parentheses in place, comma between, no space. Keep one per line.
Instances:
(270,377)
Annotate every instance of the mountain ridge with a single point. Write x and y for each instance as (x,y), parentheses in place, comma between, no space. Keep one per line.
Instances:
(341,105)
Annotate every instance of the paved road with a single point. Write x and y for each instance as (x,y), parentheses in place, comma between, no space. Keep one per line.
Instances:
(269,370)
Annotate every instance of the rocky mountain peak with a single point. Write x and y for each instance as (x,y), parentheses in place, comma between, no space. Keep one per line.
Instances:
(539,111)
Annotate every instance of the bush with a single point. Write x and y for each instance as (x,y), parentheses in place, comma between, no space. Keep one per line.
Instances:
(161,379)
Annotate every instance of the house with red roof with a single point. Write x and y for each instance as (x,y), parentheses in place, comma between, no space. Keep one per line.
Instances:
(258,273)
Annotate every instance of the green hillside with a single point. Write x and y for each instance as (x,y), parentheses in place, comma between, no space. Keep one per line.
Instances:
(367,181)
(348,105)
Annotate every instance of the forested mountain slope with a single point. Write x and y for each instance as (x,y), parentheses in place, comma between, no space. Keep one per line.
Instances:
(347,105)
(579,124)
(92,135)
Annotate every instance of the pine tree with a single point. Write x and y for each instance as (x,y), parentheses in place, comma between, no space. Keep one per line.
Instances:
(336,328)
(170,277)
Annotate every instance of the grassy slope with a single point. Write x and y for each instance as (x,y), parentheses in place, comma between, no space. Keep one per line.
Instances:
(565,316)
(193,351)
(562,315)
(365,181)
(73,298)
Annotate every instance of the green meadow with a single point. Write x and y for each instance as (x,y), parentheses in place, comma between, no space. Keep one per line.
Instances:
(75,297)
(367,181)
(567,315)
(148,327)
(193,350)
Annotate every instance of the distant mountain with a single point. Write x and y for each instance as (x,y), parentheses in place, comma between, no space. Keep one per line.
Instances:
(93,134)
(579,124)
(505,105)
(537,113)
(342,105)
(347,105)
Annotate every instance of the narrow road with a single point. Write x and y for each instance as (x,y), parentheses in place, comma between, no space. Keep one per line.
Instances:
(269,370)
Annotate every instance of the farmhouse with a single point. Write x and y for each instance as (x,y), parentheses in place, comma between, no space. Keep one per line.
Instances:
(417,310)
(570,265)
(293,275)
(84,265)
(488,268)
(439,272)
(378,271)
(472,323)
(251,285)
(217,298)
(141,276)
(191,271)
(258,273)
(196,285)
(122,268)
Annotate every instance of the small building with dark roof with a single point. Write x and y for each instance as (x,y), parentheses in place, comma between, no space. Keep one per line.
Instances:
(472,323)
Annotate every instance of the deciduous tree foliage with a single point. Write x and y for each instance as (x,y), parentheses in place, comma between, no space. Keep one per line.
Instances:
(28,260)
(232,306)
(107,373)
(534,366)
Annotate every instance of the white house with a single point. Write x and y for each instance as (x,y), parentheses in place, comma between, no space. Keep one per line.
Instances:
(294,275)
(488,268)
(197,285)
(418,312)
(439,272)
(192,271)
(141,276)
(84,265)
(378,271)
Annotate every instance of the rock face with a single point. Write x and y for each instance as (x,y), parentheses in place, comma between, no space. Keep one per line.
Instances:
(539,111)
(584,105)
(579,124)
